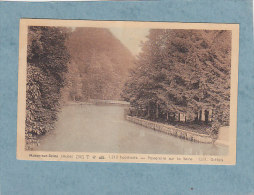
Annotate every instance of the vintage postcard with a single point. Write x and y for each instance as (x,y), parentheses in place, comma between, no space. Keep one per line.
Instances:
(124,91)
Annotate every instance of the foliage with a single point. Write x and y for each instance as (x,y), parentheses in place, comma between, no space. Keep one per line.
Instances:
(47,59)
(181,71)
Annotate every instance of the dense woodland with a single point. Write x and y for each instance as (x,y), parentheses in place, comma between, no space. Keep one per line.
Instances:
(178,72)
(183,72)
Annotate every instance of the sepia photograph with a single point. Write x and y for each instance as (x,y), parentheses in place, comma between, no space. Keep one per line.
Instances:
(122,91)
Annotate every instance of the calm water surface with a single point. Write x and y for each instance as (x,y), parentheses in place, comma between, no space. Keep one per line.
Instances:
(102,128)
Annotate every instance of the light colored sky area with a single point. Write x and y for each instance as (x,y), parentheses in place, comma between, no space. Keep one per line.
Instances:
(131,37)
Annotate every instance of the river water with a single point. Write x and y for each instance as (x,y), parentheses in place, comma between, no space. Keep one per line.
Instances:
(102,128)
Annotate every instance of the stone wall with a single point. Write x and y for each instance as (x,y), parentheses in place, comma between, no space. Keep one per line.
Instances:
(171,130)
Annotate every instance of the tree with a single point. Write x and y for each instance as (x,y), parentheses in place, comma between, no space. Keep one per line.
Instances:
(182,71)
(47,59)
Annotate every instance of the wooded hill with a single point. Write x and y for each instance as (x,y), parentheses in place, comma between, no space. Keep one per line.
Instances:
(99,65)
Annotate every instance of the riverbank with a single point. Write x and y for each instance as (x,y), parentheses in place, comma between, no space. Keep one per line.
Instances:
(99,102)
(171,130)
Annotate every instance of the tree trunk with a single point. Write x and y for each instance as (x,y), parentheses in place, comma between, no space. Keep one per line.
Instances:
(157,110)
(206,116)
(196,118)
(200,115)
(174,117)
(212,117)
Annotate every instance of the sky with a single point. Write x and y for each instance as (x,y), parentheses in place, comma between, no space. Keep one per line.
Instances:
(131,37)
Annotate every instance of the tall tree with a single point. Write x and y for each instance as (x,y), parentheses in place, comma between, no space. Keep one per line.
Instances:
(182,71)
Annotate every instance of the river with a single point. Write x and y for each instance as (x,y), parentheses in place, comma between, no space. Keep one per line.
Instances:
(102,128)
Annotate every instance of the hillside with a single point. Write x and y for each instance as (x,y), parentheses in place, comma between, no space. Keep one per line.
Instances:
(99,65)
